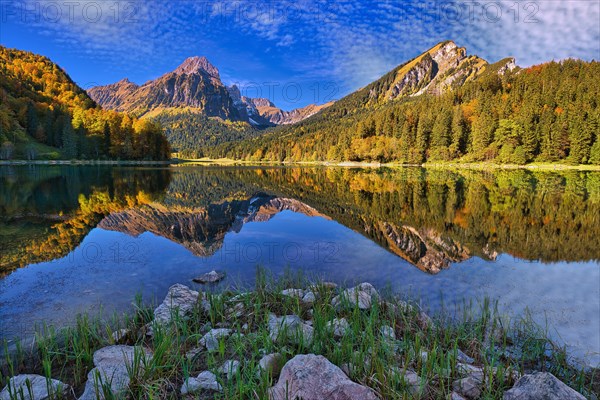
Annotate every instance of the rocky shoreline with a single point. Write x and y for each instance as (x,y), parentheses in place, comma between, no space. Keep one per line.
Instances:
(277,342)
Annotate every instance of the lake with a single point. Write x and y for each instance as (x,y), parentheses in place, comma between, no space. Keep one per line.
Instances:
(77,239)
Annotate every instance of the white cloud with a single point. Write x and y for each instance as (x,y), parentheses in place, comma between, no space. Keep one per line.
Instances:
(351,42)
(533,31)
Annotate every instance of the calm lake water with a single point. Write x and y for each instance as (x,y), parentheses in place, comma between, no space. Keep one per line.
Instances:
(88,239)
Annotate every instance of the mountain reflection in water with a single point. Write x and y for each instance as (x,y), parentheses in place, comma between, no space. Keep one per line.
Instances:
(489,229)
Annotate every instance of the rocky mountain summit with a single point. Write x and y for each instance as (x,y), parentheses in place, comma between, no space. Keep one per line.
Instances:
(196,65)
(436,71)
(196,84)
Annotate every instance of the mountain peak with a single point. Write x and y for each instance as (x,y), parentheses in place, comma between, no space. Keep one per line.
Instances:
(194,65)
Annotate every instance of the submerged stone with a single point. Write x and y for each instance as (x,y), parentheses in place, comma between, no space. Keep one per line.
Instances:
(209,277)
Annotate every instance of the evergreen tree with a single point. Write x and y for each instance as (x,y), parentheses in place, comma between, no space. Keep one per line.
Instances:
(459,133)
(483,129)
(422,140)
(440,134)
(69,141)
(82,143)
(32,119)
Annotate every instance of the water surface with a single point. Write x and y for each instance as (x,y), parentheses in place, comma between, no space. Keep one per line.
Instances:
(86,239)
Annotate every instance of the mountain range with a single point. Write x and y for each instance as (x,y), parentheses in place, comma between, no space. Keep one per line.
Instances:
(443,105)
(199,111)
(196,85)
(196,109)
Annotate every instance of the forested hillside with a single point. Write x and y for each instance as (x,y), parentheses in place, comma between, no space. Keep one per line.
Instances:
(190,132)
(546,113)
(44,114)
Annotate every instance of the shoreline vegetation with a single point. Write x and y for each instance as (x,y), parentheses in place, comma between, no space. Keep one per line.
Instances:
(294,338)
(225,162)
(439,165)
(85,162)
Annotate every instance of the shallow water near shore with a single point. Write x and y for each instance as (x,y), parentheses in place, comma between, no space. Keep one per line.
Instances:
(88,238)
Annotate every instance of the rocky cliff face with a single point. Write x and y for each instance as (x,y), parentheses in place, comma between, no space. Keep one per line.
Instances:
(278,116)
(113,96)
(437,70)
(261,111)
(195,83)
(506,65)
(247,107)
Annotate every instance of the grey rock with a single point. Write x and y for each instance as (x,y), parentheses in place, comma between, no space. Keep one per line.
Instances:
(455,396)
(271,363)
(295,293)
(229,368)
(289,328)
(413,381)
(191,354)
(323,286)
(111,370)
(180,301)
(209,277)
(541,386)
(240,297)
(211,339)
(348,368)
(236,311)
(309,298)
(33,387)
(467,369)
(388,332)
(206,380)
(469,387)
(314,377)
(362,295)
(339,326)
(424,321)
(463,358)
(120,335)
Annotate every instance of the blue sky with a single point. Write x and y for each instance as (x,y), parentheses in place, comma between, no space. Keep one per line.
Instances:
(293,52)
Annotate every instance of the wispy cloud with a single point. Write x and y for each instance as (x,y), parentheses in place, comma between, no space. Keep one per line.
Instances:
(350,42)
